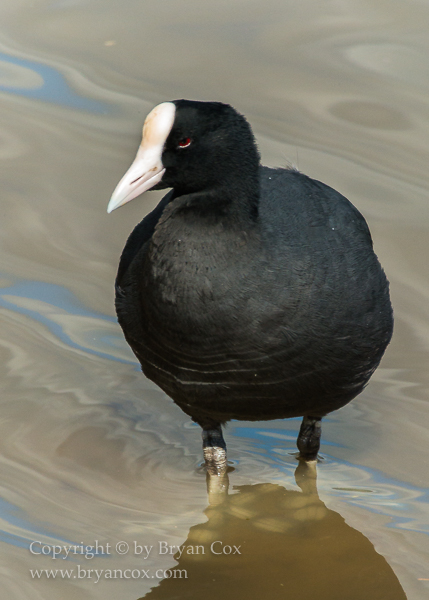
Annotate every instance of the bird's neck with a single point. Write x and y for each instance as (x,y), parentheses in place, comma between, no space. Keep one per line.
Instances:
(235,205)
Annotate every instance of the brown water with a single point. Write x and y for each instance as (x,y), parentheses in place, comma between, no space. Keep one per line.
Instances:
(89,449)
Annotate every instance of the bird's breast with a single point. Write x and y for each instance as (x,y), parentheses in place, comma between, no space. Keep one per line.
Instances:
(196,286)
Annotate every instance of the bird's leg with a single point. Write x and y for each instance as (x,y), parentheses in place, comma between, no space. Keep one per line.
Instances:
(308,441)
(214,449)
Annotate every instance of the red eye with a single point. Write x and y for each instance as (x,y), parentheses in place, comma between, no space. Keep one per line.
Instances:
(185,142)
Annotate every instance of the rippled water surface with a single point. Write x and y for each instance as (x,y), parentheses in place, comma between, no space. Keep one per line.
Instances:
(90,449)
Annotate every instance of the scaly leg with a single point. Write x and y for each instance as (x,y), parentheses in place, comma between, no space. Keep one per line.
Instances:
(214,449)
(308,441)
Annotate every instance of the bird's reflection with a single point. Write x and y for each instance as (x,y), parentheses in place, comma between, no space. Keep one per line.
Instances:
(264,541)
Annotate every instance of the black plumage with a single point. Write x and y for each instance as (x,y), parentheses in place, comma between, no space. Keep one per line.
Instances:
(249,292)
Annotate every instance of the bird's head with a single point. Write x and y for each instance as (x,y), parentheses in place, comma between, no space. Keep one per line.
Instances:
(189,146)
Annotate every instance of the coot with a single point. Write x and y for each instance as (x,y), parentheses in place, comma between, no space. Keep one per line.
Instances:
(249,292)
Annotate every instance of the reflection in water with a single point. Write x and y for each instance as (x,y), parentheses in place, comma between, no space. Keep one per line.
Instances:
(42,82)
(278,543)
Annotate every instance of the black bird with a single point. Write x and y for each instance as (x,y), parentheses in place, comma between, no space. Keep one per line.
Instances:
(248,292)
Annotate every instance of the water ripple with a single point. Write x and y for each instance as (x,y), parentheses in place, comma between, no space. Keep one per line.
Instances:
(69,320)
(38,81)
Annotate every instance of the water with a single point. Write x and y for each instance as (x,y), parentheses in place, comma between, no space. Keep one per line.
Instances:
(89,449)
